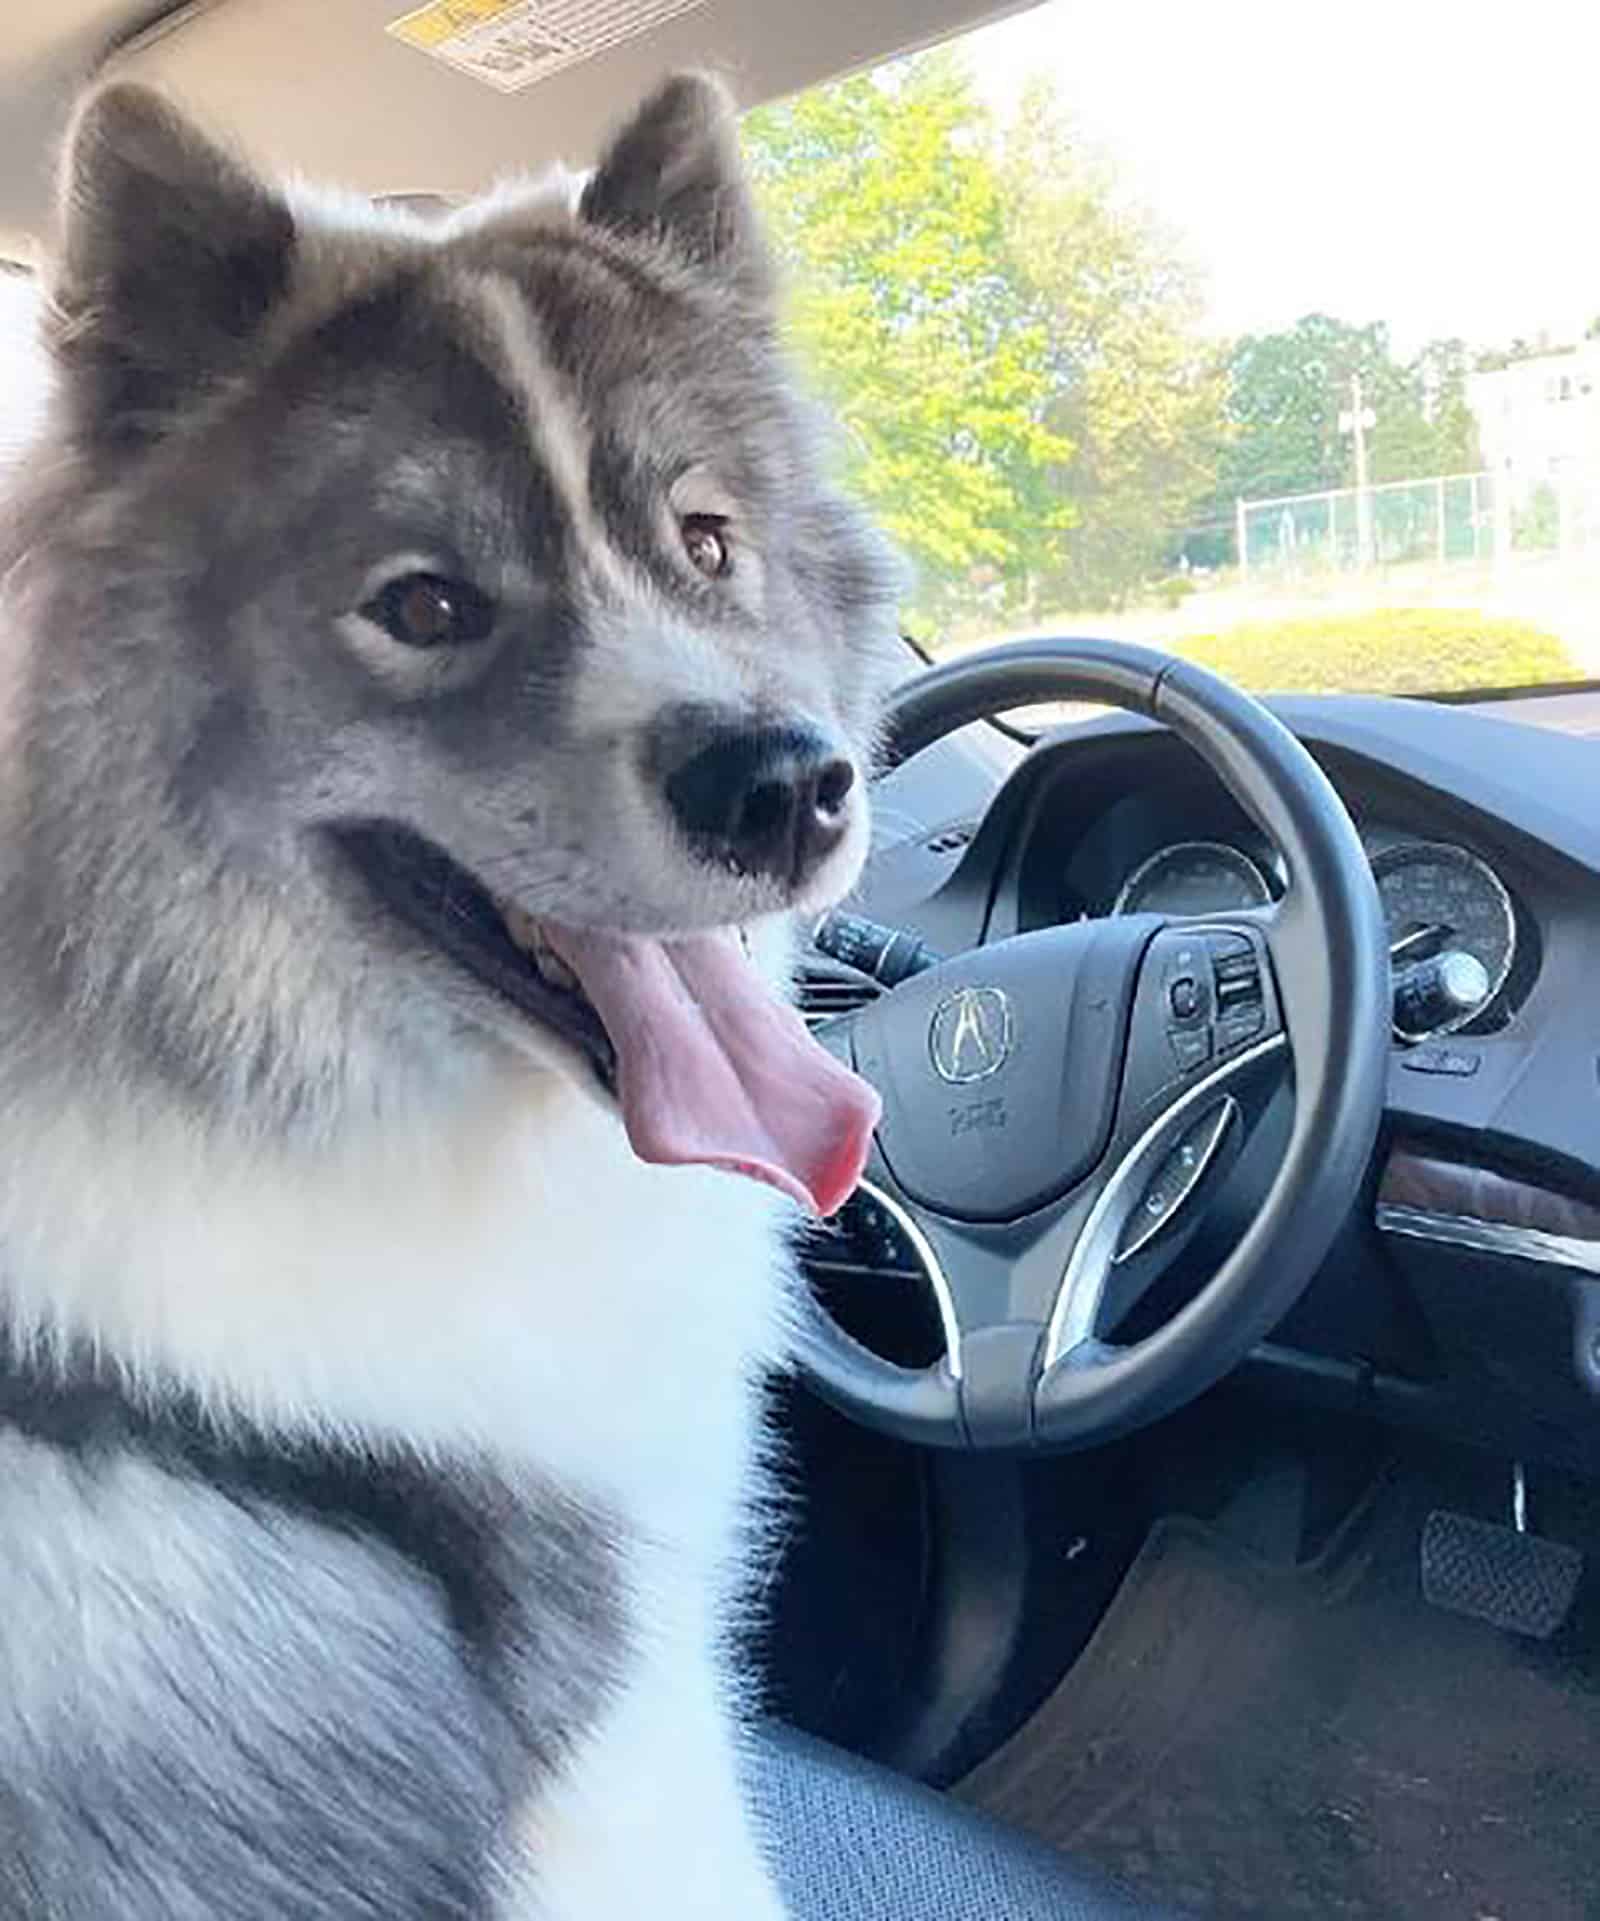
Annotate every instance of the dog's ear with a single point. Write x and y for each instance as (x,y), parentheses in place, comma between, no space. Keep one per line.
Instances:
(170,254)
(673,174)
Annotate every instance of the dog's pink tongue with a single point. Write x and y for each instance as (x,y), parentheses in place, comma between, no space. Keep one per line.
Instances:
(712,1068)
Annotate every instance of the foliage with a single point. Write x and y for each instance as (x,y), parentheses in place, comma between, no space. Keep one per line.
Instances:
(1537,525)
(1016,359)
(1398,650)
(1287,391)
(1494,360)
(1010,351)
(1137,393)
(1439,375)
(887,210)
(1285,394)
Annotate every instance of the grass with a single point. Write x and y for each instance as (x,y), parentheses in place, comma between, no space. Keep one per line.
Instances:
(1402,650)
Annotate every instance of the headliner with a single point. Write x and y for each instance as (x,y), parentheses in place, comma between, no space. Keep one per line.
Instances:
(319,87)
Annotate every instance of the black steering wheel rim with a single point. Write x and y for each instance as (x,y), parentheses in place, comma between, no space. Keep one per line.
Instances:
(1326,947)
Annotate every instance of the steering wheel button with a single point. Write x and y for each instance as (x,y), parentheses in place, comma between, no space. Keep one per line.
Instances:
(1185,998)
(1234,1029)
(1191,1050)
(1176,1178)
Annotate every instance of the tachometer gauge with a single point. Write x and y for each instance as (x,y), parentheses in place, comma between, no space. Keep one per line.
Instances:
(1439,901)
(1193,877)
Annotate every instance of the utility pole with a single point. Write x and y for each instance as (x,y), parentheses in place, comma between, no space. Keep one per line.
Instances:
(1357,420)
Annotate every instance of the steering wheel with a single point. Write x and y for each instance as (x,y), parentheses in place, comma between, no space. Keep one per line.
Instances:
(1057,1106)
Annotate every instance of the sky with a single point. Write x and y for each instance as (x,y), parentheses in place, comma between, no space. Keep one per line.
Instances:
(1431,165)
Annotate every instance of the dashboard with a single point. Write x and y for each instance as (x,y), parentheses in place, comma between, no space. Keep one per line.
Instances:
(1465,1294)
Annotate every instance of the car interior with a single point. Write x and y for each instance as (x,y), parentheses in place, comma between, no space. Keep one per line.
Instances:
(1195,1453)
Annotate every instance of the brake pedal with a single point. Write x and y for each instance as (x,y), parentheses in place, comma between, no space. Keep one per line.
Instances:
(1505,1576)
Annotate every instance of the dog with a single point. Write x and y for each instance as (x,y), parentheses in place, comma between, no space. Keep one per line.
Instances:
(438,672)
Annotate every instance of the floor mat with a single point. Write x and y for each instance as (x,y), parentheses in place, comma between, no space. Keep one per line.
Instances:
(1244,1740)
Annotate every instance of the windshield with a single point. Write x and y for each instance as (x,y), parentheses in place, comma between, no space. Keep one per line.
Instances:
(1179,329)
(1184,330)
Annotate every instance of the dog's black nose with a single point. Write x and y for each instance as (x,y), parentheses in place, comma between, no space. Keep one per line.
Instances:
(771,801)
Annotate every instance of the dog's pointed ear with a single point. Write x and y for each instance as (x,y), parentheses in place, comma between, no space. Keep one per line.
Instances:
(674,175)
(170,254)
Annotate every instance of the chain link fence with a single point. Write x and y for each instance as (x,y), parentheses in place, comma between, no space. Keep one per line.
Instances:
(1444,520)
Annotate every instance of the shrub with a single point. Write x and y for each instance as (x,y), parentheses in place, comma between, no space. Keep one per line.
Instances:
(1400,650)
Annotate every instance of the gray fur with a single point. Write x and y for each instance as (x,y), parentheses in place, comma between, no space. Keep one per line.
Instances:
(258,406)
(237,1683)
(242,1678)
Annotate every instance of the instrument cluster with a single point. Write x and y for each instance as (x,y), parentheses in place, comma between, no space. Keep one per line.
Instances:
(1453,926)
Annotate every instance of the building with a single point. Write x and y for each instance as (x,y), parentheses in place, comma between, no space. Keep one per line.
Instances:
(1539,429)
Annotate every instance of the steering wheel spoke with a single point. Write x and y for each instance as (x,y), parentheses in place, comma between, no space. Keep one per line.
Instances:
(1205,1039)
(993,1285)
(1148,1205)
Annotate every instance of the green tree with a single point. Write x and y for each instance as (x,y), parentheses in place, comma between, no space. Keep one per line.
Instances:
(1285,394)
(1440,373)
(1496,359)
(887,208)
(1138,392)
(1287,391)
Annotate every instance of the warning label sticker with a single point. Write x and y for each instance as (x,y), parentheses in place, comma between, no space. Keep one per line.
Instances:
(510,44)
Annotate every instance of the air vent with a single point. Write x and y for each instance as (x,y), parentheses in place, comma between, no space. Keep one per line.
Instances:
(951,840)
(828,992)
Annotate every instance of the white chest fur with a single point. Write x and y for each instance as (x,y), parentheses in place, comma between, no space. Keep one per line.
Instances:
(517,1282)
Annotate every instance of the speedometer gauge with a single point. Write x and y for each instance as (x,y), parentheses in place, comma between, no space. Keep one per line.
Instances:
(1439,899)
(1193,877)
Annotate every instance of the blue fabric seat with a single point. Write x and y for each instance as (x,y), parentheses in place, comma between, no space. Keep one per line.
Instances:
(853,1842)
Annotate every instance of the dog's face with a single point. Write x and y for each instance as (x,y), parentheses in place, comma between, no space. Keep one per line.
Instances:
(442,587)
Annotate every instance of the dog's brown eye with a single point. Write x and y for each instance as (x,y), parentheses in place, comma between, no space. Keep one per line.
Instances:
(426,610)
(705,541)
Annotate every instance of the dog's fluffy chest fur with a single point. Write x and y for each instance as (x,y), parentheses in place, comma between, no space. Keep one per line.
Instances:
(514,1282)
(281,1683)
(508,1394)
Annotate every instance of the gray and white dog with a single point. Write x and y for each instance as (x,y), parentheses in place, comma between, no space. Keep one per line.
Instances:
(436,673)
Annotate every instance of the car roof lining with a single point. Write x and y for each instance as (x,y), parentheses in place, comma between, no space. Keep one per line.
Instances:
(321,88)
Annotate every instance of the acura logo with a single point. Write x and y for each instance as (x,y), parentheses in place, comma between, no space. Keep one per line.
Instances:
(969,1036)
